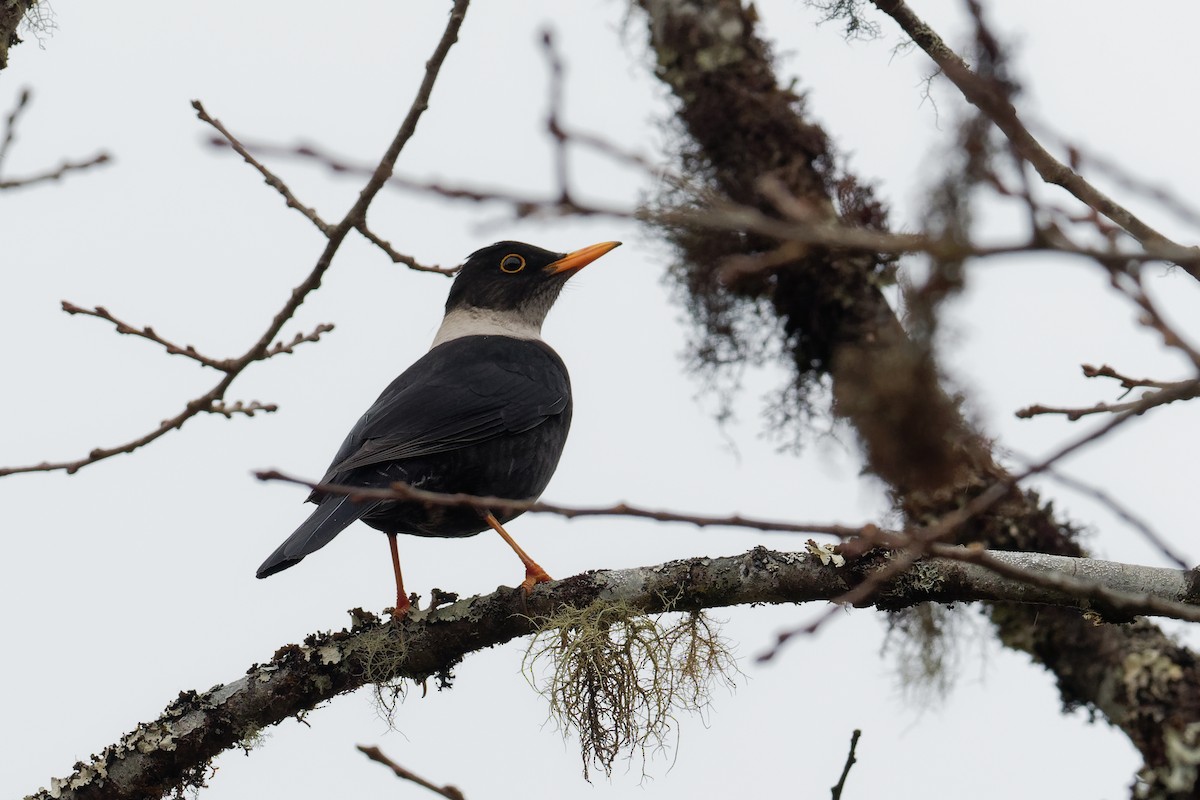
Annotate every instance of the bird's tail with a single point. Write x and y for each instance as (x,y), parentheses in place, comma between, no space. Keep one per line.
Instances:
(330,519)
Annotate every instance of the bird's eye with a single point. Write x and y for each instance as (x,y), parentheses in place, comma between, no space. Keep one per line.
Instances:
(512,263)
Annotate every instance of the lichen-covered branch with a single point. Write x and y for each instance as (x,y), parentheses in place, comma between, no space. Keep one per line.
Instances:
(747,131)
(173,751)
(12,14)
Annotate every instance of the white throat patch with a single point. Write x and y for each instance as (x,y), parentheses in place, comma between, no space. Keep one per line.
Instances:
(485,322)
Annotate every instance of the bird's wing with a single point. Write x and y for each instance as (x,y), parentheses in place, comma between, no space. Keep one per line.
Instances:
(461,393)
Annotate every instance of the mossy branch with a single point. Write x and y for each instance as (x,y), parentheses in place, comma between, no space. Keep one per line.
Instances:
(173,751)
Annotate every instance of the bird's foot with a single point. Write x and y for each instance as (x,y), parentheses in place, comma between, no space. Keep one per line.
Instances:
(533,577)
(403,605)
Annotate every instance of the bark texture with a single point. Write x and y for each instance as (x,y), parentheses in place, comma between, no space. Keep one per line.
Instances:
(12,12)
(748,130)
(173,752)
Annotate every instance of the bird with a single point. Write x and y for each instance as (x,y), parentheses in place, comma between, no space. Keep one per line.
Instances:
(484,412)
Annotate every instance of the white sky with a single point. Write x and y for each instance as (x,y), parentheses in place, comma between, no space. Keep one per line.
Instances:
(134,579)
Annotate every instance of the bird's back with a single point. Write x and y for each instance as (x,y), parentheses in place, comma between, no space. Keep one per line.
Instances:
(498,429)
(480,415)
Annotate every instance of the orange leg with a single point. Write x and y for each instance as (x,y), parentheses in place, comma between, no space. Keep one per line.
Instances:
(402,603)
(533,573)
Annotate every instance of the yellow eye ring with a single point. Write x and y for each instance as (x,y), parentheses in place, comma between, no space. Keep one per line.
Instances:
(512,263)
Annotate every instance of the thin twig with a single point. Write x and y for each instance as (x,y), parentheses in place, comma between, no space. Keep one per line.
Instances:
(1127,383)
(300,338)
(1131,283)
(375,754)
(335,234)
(227,410)
(1077,413)
(850,762)
(10,123)
(743,219)
(553,126)
(56,173)
(923,540)
(908,546)
(398,257)
(148,333)
(984,95)
(227,139)
(402,491)
(1124,514)
(10,132)
(1127,180)
(271,178)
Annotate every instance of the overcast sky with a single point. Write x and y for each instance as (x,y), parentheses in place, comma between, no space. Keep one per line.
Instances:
(134,579)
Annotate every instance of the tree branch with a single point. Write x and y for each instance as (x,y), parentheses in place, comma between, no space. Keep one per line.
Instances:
(835,325)
(172,751)
(336,234)
(984,95)
(375,754)
(851,760)
(14,116)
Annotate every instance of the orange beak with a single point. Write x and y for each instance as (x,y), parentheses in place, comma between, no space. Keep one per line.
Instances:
(580,258)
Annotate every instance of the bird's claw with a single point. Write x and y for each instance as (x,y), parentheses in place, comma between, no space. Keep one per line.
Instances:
(533,578)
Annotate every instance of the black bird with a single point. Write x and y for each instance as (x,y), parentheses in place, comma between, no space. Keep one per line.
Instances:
(484,412)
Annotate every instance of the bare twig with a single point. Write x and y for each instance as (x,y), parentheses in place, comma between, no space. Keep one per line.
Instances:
(398,257)
(922,541)
(1076,414)
(10,123)
(402,491)
(1123,513)
(56,173)
(375,754)
(269,177)
(1127,383)
(1130,282)
(850,761)
(335,234)
(791,233)
(10,131)
(984,95)
(1122,177)
(227,410)
(314,336)
(557,134)
(908,546)
(100,312)
(227,139)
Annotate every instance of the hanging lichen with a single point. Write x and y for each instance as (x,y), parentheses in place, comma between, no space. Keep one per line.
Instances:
(617,678)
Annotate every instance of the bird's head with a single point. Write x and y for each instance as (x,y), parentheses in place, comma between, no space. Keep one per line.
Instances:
(517,279)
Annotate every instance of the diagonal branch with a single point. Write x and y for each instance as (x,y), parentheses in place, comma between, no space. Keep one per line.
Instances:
(100,312)
(336,235)
(835,325)
(269,177)
(992,102)
(375,754)
(10,131)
